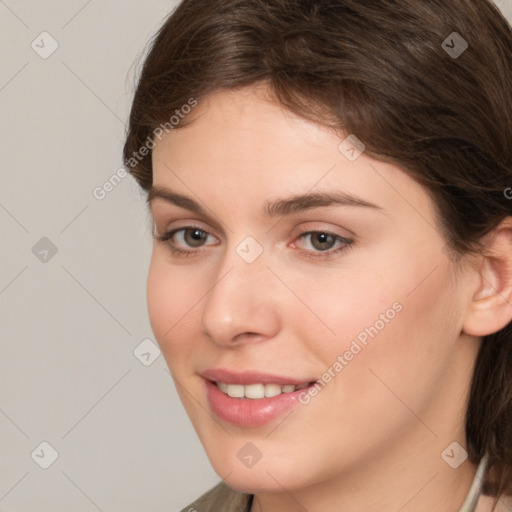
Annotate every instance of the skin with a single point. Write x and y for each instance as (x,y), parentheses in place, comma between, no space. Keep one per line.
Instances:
(372,439)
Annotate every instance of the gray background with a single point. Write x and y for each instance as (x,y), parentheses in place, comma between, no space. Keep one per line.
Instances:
(73,372)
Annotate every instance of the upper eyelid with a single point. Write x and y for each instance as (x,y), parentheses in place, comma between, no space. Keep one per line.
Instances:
(156,215)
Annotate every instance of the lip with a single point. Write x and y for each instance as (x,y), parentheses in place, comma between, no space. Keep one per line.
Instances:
(250,377)
(246,412)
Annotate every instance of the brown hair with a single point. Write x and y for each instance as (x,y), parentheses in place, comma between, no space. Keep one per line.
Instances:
(383,70)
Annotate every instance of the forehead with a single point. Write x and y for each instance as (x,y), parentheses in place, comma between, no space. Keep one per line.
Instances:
(240,143)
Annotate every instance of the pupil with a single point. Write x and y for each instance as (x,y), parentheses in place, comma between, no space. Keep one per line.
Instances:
(323,237)
(197,236)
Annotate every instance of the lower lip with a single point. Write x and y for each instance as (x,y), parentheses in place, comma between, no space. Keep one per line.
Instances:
(247,412)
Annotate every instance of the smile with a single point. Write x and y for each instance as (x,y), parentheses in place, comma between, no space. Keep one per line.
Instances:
(258,391)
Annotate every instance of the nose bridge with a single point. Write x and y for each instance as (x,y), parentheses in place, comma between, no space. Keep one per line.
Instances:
(241,300)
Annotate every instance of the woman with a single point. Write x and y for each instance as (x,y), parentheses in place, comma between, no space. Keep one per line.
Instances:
(331,277)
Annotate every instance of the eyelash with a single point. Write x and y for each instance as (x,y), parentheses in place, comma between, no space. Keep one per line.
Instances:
(324,255)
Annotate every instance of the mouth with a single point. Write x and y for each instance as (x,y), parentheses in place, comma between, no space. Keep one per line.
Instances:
(258,391)
(251,398)
(253,404)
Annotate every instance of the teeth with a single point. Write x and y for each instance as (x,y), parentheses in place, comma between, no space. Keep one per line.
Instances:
(236,391)
(257,391)
(272,390)
(253,391)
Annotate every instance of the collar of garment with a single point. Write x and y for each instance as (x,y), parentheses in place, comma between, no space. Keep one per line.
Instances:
(475,490)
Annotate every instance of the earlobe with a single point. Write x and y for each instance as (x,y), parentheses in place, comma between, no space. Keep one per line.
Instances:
(490,309)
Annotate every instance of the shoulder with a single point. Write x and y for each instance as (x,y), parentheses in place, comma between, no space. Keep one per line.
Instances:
(221,498)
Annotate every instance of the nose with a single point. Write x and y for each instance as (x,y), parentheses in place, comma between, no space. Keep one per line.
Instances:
(242,304)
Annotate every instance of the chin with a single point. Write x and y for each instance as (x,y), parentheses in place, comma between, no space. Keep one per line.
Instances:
(252,483)
(263,477)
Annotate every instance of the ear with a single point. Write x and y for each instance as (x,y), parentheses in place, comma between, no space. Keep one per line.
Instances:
(491,305)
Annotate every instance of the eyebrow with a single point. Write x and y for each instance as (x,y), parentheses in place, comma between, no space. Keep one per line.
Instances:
(274,208)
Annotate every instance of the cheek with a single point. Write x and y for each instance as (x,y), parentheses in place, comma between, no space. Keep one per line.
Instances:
(398,322)
(160,300)
(335,307)
(171,299)
(406,359)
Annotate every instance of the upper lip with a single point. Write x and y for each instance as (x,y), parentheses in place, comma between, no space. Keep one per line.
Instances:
(250,377)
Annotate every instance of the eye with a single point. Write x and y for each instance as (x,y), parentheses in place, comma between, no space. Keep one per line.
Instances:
(194,237)
(323,242)
(191,236)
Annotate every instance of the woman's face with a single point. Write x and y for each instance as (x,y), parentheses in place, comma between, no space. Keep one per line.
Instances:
(367,303)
